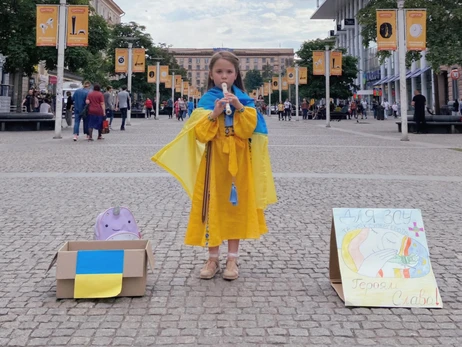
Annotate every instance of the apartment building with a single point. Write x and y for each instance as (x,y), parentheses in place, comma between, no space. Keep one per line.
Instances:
(108,9)
(196,61)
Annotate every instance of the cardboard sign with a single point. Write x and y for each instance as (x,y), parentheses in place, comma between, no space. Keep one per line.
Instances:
(380,257)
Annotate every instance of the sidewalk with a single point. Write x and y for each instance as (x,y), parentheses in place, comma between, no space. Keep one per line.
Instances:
(53,190)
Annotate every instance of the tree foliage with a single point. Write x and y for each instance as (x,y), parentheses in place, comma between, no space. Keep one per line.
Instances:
(253,80)
(444,37)
(340,86)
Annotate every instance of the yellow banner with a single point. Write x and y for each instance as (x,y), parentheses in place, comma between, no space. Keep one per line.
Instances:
(152,73)
(168,82)
(253,94)
(47,25)
(319,63)
(139,60)
(285,84)
(302,75)
(185,87)
(77,26)
(336,63)
(291,75)
(416,30)
(387,28)
(275,83)
(164,74)
(121,60)
(266,88)
(178,84)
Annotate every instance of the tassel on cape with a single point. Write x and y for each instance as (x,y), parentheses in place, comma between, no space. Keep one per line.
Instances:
(233,195)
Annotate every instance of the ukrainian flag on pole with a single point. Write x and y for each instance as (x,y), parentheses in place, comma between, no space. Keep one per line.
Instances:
(99,274)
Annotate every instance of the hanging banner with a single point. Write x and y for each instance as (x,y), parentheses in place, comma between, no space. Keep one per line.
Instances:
(185,87)
(77,26)
(121,60)
(164,74)
(319,63)
(275,83)
(387,28)
(266,88)
(47,26)
(302,75)
(139,60)
(168,82)
(253,94)
(285,84)
(416,30)
(336,63)
(291,75)
(152,73)
(178,84)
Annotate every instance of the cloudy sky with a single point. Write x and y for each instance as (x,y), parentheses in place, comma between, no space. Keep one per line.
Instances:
(227,23)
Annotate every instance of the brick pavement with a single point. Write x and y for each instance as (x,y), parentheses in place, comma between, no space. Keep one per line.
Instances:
(52,191)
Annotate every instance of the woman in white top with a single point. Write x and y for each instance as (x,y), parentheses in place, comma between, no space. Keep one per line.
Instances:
(45,107)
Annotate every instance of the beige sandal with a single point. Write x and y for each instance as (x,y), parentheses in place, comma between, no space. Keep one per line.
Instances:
(210,269)
(232,271)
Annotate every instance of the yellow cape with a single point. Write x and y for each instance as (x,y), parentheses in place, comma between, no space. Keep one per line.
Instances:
(182,157)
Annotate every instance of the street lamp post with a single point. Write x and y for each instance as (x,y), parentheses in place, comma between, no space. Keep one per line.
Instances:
(297,111)
(173,89)
(327,87)
(280,85)
(402,71)
(129,74)
(157,88)
(270,91)
(60,68)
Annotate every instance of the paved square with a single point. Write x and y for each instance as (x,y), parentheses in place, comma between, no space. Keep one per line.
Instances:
(53,190)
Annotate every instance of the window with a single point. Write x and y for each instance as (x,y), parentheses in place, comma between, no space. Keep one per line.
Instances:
(255,61)
(272,60)
(189,67)
(190,60)
(247,67)
(189,75)
(247,60)
(198,60)
(198,83)
(206,60)
(263,60)
(198,74)
(198,67)
(180,61)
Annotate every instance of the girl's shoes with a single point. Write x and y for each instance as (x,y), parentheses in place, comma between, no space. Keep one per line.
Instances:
(210,269)
(232,271)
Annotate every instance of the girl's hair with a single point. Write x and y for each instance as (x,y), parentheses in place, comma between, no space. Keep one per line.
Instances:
(233,60)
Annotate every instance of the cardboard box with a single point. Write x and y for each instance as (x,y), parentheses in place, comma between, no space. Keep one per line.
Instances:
(137,255)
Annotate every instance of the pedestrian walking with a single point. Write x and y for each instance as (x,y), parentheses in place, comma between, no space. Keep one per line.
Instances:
(394,107)
(190,106)
(228,196)
(418,102)
(287,109)
(281,110)
(170,108)
(123,102)
(96,112)
(109,105)
(148,107)
(304,109)
(69,107)
(181,108)
(80,96)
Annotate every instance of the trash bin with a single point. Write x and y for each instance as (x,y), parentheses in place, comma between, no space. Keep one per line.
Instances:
(380,112)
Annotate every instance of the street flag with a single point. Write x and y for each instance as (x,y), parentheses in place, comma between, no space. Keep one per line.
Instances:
(47,25)
(266,88)
(302,75)
(139,60)
(185,87)
(291,75)
(275,83)
(164,74)
(387,29)
(98,274)
(121,60)
(319,63)
(285,84)
(336,63)
(178,84)
(77,26)
(416,30)
(152,69)
(168,82)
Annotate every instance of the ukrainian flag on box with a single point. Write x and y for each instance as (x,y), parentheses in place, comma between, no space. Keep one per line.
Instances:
(98,274)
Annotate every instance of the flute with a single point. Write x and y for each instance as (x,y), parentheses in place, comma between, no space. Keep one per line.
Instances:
(224,86)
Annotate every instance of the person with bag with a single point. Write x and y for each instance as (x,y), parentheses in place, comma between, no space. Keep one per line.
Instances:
(80,97)
(96,112)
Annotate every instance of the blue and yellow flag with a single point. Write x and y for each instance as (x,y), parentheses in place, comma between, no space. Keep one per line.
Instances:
(98,274)
(182,156)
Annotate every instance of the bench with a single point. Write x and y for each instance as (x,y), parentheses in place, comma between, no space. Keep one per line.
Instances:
(450,127)
(27,121)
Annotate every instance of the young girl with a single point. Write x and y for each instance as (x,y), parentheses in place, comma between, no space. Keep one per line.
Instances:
(222,161)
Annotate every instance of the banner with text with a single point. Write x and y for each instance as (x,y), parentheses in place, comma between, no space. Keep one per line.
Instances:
(416,30)
(266,88)
(302,75)
(319,63)
(168,82)
(291,75)
(387,28)
(336,63)
(152,69)
(275,83)
(121,60)
(47,25)
(77,26)
(164,74)
(285,84)
(139,60)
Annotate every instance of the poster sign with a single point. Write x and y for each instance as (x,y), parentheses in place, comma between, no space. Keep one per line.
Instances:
(121,60)
(455,74)
(266,88)
(185,87)
(275,83)
(291,75)
(152,73)
(77,26)
(380,257)
(285,84)
(47,25)
(178,84)
(168,82)
(164,74)
(139,60)
(416,30)
(319,63)
(387,39)
(336,63)
(302,75)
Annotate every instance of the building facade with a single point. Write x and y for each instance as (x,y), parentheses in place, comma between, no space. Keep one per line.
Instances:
(108,9)
(196,61)
(374,78)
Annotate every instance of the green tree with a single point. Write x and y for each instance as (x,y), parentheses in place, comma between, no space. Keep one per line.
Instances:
(444,37)
(253,80)
(340,86)
(267,72)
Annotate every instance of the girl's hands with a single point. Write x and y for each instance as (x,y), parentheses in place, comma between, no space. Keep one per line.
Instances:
(233,100)
(220,104)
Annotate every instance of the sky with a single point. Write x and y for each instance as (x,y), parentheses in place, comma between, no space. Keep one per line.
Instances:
(227,23)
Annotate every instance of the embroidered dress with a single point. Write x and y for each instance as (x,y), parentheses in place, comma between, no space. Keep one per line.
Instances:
(239,154)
